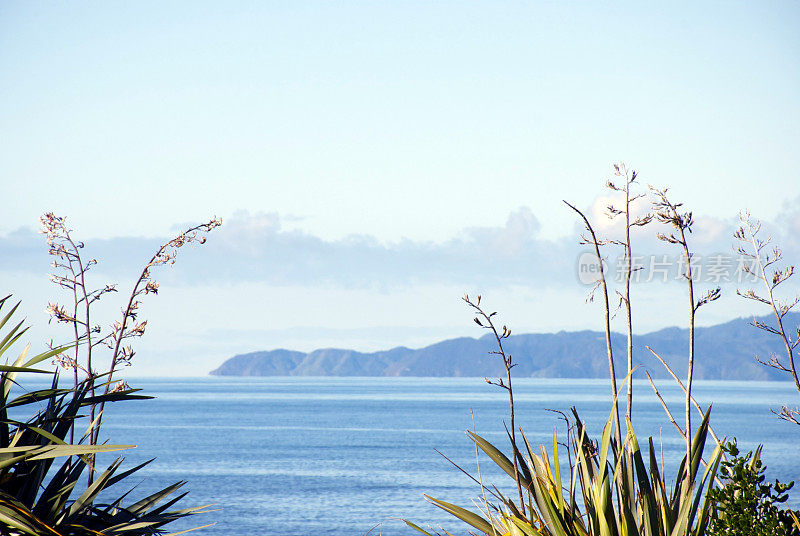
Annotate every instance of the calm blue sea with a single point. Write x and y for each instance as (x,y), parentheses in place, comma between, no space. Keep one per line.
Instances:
(339,456)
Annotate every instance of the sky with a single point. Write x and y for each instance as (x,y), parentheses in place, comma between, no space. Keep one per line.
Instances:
(374,161)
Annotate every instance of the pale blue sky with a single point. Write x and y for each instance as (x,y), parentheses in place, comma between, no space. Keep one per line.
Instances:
(425,128)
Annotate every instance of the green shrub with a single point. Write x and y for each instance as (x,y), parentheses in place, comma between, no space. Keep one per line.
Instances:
(747,506)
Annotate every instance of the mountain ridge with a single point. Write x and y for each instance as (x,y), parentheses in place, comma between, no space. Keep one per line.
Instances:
(723,351)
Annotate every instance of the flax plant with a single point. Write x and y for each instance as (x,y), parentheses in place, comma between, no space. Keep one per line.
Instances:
(593,504)
(762,258)
(612,490)
(621,494)
(38,497)
(89,338)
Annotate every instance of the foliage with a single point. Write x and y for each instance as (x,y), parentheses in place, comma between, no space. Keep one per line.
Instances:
(617,498)
(619,493)
(37,498)
(747,506)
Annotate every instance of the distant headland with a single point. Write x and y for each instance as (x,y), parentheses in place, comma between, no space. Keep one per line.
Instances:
(724,352)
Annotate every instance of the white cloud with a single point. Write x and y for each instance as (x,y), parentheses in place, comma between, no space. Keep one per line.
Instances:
(257,247)
(520,232)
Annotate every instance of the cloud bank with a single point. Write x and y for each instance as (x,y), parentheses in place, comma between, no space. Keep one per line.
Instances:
(258,248)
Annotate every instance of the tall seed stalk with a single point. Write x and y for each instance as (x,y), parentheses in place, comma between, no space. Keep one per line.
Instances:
(601,283)
(668,213)
(629,178)
(755,249)
(484,320)
(71,271)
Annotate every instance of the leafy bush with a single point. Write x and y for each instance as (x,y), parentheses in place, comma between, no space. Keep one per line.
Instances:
(618,497)
(747,506)
(39,499)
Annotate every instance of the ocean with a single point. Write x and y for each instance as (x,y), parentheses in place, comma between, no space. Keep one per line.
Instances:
(295,456)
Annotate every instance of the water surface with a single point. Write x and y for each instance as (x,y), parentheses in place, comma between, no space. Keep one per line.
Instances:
(300,456)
